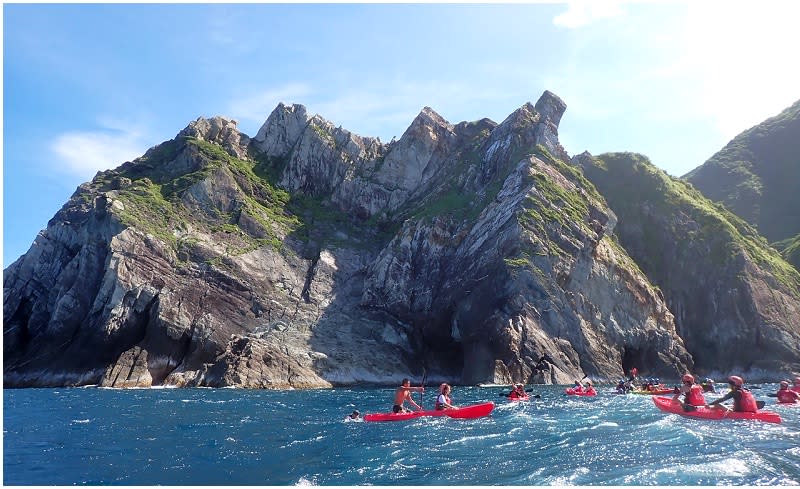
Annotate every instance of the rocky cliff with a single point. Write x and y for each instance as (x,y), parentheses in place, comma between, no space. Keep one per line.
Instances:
(308,256)
(736,302)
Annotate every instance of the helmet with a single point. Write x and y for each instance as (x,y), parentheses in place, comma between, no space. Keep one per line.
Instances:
(736,380)
(784,384)
(687,378)
(709,381)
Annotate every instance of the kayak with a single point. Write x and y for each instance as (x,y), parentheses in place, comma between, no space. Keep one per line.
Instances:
(655,392)
(571,392)
(667,405)
(523,398)
(466,412)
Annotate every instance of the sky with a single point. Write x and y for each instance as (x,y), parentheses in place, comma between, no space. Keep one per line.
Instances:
(89,86)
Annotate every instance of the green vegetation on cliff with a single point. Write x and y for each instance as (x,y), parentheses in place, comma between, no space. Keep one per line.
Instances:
(756,175)
(153,191)
(790,250)
(666,219)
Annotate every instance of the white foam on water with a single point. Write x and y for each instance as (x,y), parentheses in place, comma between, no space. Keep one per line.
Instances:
(606,424)
(466,439)
(80,421)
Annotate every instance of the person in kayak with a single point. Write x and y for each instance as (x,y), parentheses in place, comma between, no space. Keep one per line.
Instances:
(589,390)
(743,400)
(518,392)
(577,388)
(443,399)
(786,395)
(692,393)
(796,386)
(354,415)
(708,386)
(403,394)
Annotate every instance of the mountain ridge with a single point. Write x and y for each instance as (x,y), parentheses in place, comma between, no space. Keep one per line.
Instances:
(308,256)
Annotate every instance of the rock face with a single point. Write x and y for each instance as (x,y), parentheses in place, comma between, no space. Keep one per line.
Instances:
(736,302)
(309,256)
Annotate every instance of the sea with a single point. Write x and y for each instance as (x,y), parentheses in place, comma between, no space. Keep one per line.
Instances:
(224,437)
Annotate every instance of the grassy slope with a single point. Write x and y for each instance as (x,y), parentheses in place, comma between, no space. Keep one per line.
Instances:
(631,184)
(757,173)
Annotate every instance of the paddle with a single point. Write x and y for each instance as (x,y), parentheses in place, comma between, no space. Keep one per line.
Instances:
(688,407)
(772,394)
(506,394)
(424,378)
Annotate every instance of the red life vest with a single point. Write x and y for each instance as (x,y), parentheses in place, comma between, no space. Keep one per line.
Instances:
(746,404)
(695,396)
(786,395)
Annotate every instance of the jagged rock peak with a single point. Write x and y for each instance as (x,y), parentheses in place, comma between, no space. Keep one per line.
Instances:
(551,107)
(429,115)
(221,130)
(282,129)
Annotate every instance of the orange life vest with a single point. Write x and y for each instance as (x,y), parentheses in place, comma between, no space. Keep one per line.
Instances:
(746,404)
(695,396)
(786,395)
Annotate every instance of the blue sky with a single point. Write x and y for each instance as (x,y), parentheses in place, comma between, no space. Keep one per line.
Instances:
(87,87)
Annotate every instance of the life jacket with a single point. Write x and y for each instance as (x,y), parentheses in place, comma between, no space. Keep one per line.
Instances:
(695,396)
(577,389)
(795,388)
(438,405)
(513,395)
(590,391)
(746,403)
(787,395)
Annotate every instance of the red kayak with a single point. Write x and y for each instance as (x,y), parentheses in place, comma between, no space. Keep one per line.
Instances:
(571,392)
(667,405)
(659,391)
(466,412)
(523,398)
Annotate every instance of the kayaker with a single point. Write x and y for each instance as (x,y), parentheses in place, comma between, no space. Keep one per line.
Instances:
(589,390)
(354,415)
(578,388)
(743,400)
(518,392)
(796,386)
(708,385)
(443,399)
(403,394)
(692,393)
(786,395)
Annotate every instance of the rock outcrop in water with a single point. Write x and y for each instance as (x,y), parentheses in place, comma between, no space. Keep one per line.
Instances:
(309,256)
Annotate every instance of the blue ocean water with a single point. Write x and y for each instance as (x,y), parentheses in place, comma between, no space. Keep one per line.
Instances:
(254,437)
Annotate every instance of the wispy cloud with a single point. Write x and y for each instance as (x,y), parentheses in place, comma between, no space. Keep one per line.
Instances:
(583,12)
(84,153)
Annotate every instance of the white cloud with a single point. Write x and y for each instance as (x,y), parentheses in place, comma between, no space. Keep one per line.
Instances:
(744,55)
(84,153)
(583,12)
